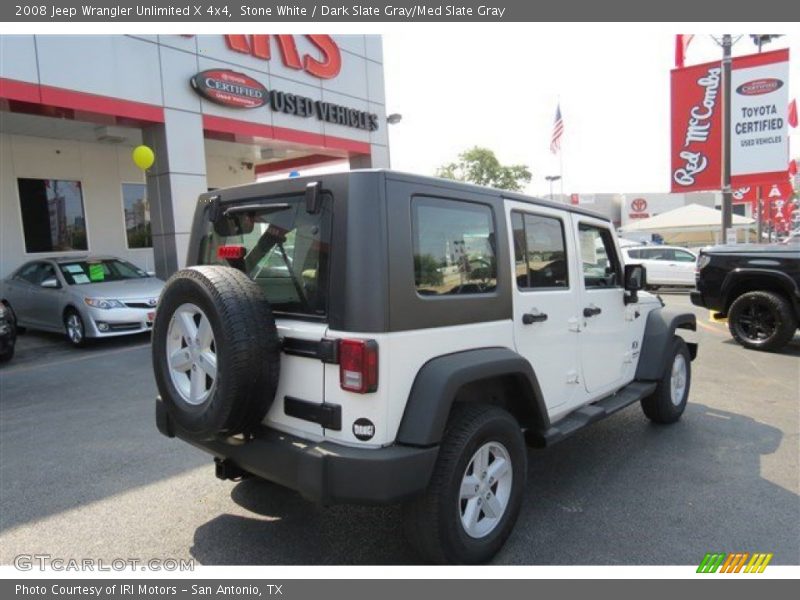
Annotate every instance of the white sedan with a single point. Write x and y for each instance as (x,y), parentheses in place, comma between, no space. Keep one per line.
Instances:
(665,265)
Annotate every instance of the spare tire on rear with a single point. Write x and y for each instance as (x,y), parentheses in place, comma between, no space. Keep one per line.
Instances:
(216,351)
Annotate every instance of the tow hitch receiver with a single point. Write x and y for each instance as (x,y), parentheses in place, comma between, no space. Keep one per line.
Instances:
(227,469)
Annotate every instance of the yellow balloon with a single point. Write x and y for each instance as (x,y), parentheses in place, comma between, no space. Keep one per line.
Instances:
(143,157)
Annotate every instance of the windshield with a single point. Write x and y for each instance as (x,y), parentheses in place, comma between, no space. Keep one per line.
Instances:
(286,250)
(81,272)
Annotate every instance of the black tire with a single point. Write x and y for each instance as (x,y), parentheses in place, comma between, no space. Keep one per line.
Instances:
(432,522)
(762,321)
(17,328)
(659,407)
(74,328)
(7,355)
(245,343)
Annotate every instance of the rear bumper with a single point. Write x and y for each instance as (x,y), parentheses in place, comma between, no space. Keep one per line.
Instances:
(697,298)
(321,471)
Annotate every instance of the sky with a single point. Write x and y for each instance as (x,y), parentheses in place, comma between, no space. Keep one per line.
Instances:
(498,87)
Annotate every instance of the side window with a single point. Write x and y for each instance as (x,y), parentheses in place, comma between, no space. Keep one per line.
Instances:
(29,273)
(540,257)
(635,253)
(454,247)
(600,264)
(47,272)
(683,256)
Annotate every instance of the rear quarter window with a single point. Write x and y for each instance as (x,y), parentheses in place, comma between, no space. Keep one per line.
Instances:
(454,244)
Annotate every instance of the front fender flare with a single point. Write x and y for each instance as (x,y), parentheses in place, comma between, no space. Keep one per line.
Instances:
(658,333)
(438,381)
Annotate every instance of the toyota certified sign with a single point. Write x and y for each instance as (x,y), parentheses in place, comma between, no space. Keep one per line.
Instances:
(759,129)
(230,88)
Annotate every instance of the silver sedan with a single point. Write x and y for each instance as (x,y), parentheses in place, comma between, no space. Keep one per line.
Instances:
(83,297)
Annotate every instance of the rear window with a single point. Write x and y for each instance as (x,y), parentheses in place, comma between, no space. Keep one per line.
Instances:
(286,250)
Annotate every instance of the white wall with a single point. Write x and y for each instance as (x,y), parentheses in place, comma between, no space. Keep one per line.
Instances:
(101,169)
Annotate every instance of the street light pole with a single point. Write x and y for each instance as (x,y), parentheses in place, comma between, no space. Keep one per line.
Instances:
(551,179)
(727,192)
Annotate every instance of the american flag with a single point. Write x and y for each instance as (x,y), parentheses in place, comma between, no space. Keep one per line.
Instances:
(558,131)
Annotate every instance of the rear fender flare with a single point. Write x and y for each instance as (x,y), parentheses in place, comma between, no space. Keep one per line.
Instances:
(438,381)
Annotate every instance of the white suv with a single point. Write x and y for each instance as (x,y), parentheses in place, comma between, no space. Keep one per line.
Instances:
(666,265)
(376,337)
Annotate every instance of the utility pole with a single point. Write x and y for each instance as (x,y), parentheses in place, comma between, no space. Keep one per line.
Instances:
(727,195)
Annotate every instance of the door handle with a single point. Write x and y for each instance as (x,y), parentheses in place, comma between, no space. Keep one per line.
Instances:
(531,318)
(591,311)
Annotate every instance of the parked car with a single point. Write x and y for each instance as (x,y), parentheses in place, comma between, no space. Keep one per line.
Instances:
(666,265)
(422,333)
(83,297)
(8,334)
(757,287)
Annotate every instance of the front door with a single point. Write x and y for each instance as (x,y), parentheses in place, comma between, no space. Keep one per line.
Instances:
(546,318)
(605,343)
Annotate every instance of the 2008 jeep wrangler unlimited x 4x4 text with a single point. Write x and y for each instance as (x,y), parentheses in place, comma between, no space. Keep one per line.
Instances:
(375,337)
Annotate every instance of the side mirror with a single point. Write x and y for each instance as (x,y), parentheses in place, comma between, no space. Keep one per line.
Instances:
(313,197)
(635,280)
(51,283)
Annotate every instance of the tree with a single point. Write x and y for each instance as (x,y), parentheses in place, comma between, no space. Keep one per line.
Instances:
(480,165)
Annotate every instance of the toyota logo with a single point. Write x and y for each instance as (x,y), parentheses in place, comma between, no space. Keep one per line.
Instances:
(639,205)
(152,302)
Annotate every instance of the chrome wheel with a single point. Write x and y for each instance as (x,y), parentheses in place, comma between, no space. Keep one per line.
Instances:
(485,489)
(74,328)
(191,354)
(678,380)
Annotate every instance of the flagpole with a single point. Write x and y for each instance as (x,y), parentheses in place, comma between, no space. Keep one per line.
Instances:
(561,156)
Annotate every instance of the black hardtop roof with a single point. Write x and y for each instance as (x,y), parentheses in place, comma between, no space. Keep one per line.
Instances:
(255,189)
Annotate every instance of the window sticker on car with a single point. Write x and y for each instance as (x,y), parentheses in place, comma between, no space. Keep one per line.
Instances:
(80,278)
(73,268)
(96,272)
(588,248)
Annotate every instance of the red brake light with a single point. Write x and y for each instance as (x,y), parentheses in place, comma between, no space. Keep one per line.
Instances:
(358,365)
(231,252)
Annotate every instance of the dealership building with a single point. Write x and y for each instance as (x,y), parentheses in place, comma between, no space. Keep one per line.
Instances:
(217,110)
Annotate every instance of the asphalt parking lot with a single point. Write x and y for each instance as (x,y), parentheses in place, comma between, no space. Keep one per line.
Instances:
(84,473)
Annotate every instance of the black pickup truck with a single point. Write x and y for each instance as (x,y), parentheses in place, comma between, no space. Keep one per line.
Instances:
(757,287)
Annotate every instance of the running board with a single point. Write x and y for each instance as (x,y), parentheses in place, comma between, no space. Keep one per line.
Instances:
(589,414)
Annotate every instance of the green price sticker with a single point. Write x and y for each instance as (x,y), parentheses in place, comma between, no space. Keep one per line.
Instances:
(96,272)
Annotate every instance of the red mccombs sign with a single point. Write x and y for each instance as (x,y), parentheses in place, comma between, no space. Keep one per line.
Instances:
(326,66)
(759,149)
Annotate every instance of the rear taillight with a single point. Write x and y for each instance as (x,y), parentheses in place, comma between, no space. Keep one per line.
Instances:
(231,252)
(358,365)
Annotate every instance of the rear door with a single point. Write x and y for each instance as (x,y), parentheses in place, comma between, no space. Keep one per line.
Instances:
(19,291)
(545,298)
(682,267)
(605,344)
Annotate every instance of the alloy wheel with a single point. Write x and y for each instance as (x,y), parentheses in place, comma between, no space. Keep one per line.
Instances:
(191,354)
(485,489)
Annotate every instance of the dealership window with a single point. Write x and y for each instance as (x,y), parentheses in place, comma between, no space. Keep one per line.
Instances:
(137,215)
(540,257)
(454,247)
(53,219)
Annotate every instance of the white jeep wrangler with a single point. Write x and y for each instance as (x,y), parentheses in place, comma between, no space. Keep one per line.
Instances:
(377,337)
